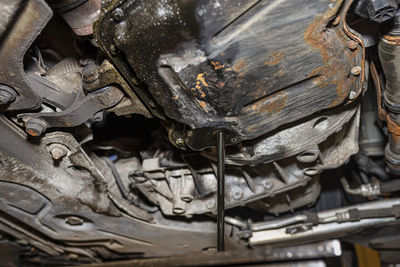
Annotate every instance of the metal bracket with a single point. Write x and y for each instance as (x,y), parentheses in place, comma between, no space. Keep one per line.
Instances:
(81,110)
(23,27)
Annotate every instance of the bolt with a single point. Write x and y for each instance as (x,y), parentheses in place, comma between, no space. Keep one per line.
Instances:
(352,95)
(267,184)
(237,194)
(7,94)
(58,151)
(179,142)
(352,45)
(113,50)
(90,73)
(34,126)
(336,21)
(381,10)
(356,70)
(211,250)
(311,171)
(118,14)
(74,220)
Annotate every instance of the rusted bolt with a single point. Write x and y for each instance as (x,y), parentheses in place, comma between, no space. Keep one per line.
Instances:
(356,70)
(58,151)
(7,94)
(352,95)
(34,126)
(74,220)
(352,45)
(336,21)
(90,73)
(179,142)
(118,14)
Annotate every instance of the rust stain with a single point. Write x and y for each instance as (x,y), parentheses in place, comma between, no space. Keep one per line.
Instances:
(279,74)
(32,132)
(272,104)
(200,81)
(275,59)
(240,65)
(336,62)
(202,104)
(217,65)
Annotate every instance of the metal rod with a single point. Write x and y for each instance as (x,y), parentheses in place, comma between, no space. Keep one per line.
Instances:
(221,191)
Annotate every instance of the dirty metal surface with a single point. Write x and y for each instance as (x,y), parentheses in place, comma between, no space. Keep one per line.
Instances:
(38,194)
(325,249)
(244,66)
(23,26)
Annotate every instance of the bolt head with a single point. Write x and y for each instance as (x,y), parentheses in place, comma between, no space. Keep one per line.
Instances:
(267,184)
(237,194)
(352,95)
(34,127)
(352,45)
(356,70)
(179,142)
(58,152)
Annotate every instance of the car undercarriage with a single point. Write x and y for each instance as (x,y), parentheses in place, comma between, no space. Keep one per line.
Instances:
(144,129)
